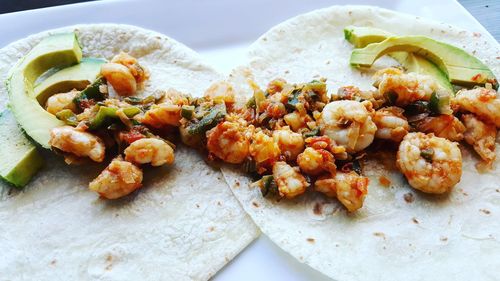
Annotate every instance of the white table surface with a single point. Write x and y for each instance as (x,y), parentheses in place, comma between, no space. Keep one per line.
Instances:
(220,30)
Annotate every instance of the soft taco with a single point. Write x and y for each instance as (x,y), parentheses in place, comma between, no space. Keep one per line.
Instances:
(361,177)
(183,224)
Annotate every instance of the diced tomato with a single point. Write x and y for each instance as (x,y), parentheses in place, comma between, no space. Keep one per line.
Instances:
(132,136)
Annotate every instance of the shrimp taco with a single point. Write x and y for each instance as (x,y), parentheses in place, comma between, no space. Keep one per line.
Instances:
(360,166)
(108,99)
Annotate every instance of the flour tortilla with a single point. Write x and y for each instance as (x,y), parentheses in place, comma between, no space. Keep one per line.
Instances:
(185,224)
(450,237)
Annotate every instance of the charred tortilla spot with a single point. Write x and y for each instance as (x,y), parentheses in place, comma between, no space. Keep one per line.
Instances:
(318,208)
(485,211)
(409,198)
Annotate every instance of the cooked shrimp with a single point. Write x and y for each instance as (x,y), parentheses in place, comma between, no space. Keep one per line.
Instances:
(354,93)
(289,143)
(163,114)
(229,142)
(349,188)
(349,124)
(316,161)
(443,126)
(297,121)
(61,101)
(76,142)
(118,179)
(140,73)
(429,163)
(264,150)
(391,124)
(149,150)
(120,77)
(221,92)
(172,96)
(288,179)
(481,136)
(407,87)
(483,102)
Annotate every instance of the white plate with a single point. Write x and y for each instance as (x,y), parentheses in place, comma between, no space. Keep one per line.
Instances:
(220,30)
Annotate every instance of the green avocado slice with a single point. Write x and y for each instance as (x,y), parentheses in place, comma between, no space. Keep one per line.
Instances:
(460,67)
(59,50)
(362,36)
(20,158)
(77,77)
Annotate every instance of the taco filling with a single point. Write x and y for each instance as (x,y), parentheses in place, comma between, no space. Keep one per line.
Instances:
(291,137)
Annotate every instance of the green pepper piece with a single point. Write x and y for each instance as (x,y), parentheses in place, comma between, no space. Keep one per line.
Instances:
(293,99)
(427,154)
(131,111)
(68,116)
(215,115)
(440,104)
(251,103)
(249,166)
(107,115)
(314,132)
(187,111)
(92,92)
(318,87)
(268,185)
(417,107)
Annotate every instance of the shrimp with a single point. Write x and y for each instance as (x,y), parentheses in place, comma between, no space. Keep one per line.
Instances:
(316,161)
(354,93)
(172,96)
(229,142)
(297,121)
(443,126)
(349,124)
(120,178)
(482,102)
(163,114)
(481,136)
(429,163)
(349,188)
(288,179)
(221,92)
(120,77)
(290,143)
(404,88)
(61,101)
(391,124)
(149,150)
(139,72)
(77,142)
(264,150)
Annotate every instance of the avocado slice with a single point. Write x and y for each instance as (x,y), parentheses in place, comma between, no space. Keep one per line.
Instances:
(361,36)
(20,158)
(77,77)
(59,50)
(460,67)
